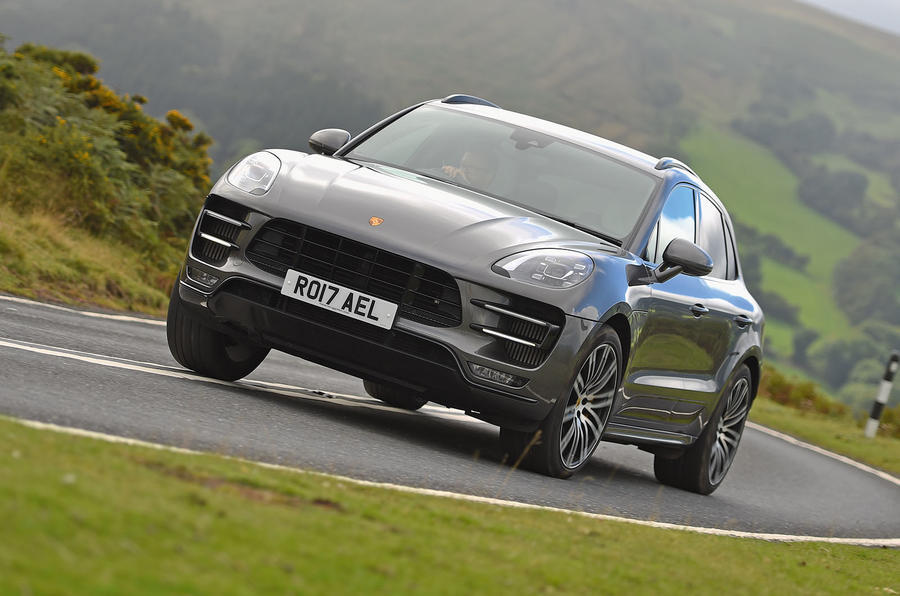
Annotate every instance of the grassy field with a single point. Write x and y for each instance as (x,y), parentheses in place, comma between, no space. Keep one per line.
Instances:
(761,192)
(880,189)
(85,516)
(817,309)
(42,258)
(847,114)
(840,434)
(780,336)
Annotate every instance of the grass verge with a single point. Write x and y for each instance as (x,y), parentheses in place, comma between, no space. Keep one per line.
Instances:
(83,515)
(43,258)
(840,434)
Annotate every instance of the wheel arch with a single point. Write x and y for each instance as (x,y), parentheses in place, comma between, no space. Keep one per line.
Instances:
(754,366)
(619,323)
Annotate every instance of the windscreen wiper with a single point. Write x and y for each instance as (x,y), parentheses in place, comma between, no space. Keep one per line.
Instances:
(585,229)
(371,162)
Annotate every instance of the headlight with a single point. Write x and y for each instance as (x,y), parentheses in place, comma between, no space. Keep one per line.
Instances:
(550,268)
(255,173)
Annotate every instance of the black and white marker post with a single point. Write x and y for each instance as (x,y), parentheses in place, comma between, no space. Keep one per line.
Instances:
(887,381)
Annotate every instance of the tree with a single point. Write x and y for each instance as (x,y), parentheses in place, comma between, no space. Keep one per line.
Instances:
(802,340)
(866,283)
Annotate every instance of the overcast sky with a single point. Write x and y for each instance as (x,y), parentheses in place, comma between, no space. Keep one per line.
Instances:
(884,14)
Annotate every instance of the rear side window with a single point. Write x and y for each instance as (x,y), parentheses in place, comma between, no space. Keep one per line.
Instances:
(676,221)
(732,257)
(711,237)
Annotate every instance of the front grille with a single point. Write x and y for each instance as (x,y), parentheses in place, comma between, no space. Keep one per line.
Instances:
(424,294)
(271,298)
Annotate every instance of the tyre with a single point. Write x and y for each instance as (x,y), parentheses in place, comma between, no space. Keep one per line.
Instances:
(206,351)
(702,467)
(395,396)
(567,438)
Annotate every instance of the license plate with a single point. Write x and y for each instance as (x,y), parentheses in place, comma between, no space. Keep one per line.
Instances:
(351,303)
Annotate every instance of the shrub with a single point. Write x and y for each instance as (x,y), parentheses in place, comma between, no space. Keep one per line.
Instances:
(72,146)
(802,395)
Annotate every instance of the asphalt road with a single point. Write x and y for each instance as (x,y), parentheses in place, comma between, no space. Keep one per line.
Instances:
(117,377)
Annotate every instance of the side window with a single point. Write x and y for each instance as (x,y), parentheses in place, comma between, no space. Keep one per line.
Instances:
(676,221)
(711,237)
(732,257)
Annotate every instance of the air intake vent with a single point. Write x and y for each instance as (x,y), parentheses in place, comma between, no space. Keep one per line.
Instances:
(521,353)
(526,338)
(216,235)
(425,294)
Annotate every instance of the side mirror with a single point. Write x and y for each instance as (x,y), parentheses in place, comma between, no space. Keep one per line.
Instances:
(692,259)
(680,256)
(328,140)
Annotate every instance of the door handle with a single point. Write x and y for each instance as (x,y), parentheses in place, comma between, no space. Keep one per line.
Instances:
(699,310)
(742,320)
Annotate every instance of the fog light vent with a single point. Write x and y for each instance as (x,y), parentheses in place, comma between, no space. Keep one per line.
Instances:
(497,376)
(202,277)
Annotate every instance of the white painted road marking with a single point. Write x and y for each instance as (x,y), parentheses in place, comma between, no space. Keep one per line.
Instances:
(276,388)
(85,313)
(878,542)
(825,452)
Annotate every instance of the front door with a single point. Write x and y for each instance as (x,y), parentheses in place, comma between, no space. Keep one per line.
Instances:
(685,339)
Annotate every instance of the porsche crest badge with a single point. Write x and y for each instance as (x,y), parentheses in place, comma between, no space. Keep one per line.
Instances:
(375,221)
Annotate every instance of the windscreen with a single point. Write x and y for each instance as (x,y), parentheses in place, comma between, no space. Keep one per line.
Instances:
(515,164)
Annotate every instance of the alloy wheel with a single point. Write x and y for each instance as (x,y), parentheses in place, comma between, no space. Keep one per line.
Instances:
(729,430)
(589,405)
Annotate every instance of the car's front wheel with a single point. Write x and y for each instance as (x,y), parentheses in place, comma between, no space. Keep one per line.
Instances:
(207,351)
(702,467)
(568,437)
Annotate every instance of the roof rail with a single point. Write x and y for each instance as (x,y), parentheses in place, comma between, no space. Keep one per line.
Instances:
(666,163)
(471,99)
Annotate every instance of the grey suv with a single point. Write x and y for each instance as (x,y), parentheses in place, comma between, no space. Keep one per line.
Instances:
(561,286)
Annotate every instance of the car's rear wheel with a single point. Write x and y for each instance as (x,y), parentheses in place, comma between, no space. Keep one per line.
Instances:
(702,467)
(395,396)
(207,351)
(568,437)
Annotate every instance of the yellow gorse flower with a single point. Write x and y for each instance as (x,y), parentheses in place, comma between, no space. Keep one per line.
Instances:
(61,73)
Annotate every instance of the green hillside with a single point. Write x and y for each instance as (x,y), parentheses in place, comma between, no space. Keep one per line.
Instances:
(96,197)
(791,114)
(758,188)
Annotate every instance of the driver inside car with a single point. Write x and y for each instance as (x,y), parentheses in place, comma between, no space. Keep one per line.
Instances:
(477,168)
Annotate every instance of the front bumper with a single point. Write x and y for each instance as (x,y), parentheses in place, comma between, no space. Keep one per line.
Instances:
(402,356)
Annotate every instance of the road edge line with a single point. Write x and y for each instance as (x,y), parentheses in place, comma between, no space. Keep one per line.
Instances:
(822,451)
(85,313)
(871,542)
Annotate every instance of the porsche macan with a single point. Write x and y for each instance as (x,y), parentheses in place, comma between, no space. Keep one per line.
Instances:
(561,286)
